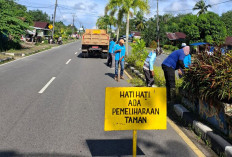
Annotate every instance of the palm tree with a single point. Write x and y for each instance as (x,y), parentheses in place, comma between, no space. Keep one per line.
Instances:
(125,8)
(104,21)
(101,23)
(113,8)
(140,21)
(200,5)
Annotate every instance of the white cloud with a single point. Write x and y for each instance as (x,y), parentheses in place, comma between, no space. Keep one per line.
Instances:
(87,11)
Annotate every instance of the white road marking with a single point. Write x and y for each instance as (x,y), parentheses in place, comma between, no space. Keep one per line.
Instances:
(68,61)
(46,86)
(75,53)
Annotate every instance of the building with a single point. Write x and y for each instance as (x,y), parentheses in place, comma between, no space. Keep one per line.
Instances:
(136,35)
(228,43)
(177,36)
(41,29)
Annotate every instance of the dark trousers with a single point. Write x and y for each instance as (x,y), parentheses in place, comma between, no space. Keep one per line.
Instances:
(109,61)
(149,78)
(169,74)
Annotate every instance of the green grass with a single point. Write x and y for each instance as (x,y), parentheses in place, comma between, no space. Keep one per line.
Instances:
(137,82)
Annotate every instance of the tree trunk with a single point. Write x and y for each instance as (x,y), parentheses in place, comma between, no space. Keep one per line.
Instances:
(127,33)
(118,33)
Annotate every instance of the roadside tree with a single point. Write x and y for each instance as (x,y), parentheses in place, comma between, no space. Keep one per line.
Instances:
(14,22)
(211,28)
(227,19)
(202,7)
(38,15)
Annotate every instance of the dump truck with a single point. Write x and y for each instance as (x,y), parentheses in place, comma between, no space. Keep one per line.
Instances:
(95,42)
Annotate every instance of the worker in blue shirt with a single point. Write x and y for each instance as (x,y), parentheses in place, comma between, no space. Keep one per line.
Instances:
(187,62)
(120,51)
(170,64)
(148,67)
(111,53)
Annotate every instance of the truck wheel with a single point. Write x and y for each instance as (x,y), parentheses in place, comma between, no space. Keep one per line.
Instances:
(104,55)
(85,55)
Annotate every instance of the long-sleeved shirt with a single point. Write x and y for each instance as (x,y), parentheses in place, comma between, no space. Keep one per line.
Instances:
(150,60)
(187,61)
(175,59)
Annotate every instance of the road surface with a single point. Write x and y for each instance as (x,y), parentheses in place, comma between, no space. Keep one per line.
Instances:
(52,104)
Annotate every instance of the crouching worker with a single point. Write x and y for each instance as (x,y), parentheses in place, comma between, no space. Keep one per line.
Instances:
(148,67)
(173,62)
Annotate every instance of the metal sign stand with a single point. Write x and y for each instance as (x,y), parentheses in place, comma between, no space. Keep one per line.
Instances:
(134,143)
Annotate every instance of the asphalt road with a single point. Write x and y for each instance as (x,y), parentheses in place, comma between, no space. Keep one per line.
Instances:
(66,117)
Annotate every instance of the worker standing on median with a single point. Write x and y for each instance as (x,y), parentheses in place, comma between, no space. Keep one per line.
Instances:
(120,52)
(110,60)
(149,66)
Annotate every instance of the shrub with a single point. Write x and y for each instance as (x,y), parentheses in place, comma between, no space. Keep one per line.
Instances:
(170,47)
(139,50)
(210,77)
(131,59)
(166,47)
(153,44)
(173,48)
(45,41)
(139,65)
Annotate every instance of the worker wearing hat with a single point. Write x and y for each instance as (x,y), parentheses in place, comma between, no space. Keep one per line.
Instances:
(120,51)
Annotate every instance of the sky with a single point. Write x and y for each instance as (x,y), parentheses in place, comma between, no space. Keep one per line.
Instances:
(86,12)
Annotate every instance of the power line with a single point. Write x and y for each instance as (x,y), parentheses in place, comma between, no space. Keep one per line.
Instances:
(192,9)
(38,7)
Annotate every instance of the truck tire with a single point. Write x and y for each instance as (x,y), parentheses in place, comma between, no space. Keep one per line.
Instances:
(85,55)
(104,55)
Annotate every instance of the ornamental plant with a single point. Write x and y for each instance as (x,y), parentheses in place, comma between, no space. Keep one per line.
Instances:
(210,77)
(139,50)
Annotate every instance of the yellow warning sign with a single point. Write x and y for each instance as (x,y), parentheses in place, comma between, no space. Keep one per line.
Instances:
(135,108)
(96,31)
(50,26)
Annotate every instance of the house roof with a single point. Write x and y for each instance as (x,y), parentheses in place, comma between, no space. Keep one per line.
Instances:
(175,36)
(136,33)
(229,41)
(43,25)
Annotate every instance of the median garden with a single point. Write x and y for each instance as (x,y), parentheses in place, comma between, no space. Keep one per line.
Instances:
(205,89)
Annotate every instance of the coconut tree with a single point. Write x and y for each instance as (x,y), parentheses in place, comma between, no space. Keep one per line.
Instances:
(128,8)
(202,7)
(113,8)
(101,23)
(140,21)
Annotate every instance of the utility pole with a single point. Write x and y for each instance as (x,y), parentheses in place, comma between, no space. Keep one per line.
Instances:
(158,44)
(73,24)
(54,18)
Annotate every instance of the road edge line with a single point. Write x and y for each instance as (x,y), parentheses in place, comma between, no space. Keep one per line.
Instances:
(185,138)
(128,75)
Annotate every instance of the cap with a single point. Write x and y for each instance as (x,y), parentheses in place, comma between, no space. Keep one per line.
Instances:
(183,45)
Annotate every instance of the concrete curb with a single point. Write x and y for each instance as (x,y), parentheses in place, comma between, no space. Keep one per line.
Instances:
(6,59)
(216,142)
(137,73)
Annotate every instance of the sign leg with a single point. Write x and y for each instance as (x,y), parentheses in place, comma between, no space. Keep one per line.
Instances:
(134,143)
